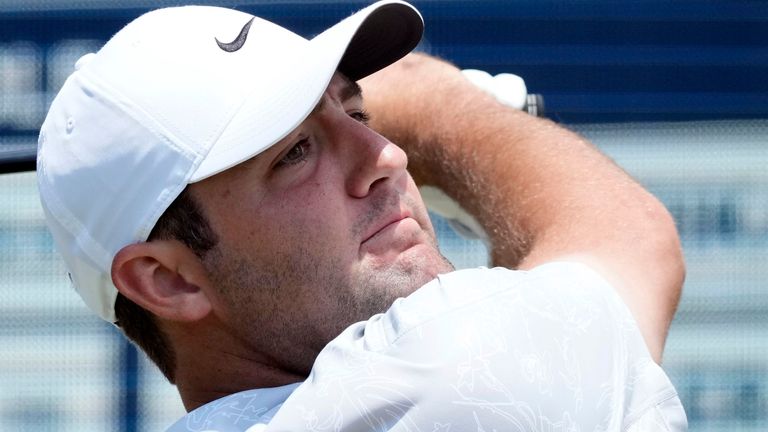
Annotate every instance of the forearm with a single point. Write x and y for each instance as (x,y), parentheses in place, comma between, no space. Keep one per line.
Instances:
(540,191)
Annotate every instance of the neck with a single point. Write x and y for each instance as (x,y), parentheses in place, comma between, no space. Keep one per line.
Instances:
(211,365)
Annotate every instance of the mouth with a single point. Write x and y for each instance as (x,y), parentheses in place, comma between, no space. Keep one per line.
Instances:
(389,223)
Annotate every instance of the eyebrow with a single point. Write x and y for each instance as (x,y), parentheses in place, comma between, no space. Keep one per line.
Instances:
(351,89)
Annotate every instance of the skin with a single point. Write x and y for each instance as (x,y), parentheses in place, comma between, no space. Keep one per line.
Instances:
(316,235)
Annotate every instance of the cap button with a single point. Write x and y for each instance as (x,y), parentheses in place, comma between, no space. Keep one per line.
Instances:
(70,124)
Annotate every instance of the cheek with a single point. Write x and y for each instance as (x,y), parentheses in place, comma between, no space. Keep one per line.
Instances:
(310,220)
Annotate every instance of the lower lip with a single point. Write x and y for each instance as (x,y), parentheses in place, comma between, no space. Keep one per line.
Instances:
(398,234)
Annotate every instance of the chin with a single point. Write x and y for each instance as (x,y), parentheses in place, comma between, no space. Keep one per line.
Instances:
(399,274)
(424,265)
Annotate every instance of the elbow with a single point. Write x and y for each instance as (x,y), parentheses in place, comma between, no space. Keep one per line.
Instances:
(659,294)
(669,252)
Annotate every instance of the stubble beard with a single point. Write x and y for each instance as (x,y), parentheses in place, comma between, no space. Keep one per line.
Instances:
(270,315)
(292,304)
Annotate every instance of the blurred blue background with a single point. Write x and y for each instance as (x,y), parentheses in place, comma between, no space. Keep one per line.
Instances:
(675,91)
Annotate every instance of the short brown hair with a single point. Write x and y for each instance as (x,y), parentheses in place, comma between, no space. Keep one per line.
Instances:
(184,221)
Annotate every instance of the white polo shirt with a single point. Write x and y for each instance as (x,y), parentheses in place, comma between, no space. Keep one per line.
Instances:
(552,349)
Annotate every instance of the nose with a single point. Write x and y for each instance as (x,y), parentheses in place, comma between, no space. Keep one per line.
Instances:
(374,162)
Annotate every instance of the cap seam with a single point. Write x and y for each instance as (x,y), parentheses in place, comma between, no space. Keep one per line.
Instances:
(71,223)
(148,121)
(130,108)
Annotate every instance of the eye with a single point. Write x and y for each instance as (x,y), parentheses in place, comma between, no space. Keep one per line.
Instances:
(296,155)
(362,116)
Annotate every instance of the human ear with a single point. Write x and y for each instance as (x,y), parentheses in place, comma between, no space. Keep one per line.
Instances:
(164,277)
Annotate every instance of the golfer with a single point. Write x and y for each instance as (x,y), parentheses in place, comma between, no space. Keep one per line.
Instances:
(242,202)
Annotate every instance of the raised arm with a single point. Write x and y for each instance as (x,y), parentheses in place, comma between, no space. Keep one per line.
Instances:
(541,193)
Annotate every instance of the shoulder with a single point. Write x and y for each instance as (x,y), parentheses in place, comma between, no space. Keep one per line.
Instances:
(480,294)
(557,298)
(555,341)
(483,290)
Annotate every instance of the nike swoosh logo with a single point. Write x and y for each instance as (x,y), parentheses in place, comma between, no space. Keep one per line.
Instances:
(239,40)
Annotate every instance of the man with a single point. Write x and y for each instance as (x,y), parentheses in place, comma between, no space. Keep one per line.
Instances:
(215,189)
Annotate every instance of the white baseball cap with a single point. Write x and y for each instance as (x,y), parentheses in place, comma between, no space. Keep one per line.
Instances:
(176,96)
